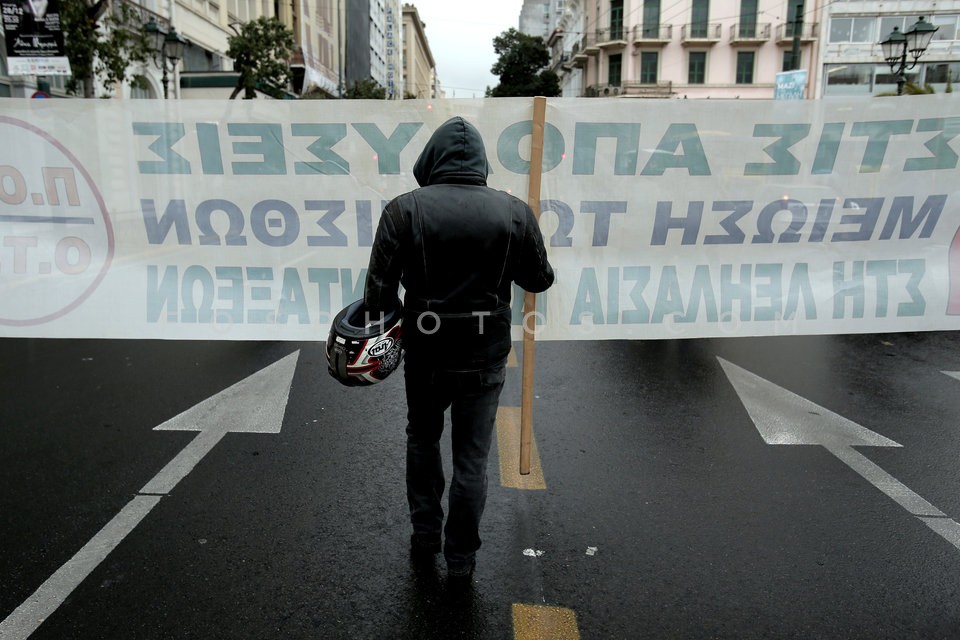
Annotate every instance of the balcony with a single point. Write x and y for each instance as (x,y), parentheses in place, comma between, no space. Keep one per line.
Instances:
(749,34)
(656,36)
(808,33)
(578,57)
(630,89)
(700,34)
(649,90)
(590,46)
(613,38)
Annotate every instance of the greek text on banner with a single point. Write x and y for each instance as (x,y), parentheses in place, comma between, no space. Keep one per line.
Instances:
(253,220)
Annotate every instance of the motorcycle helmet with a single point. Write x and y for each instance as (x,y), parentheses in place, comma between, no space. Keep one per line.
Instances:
(364,348)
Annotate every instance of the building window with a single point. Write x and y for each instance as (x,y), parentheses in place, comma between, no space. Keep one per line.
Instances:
(849,79)
(885,81)
(141,93)
(869,79)
(788,60)
(697,67)
(791,24)
(651,18)
(942,74)
(947,27)
(748,18)
(649,61)
(699,18)
(852,30)
(745,61)
(614,67)
(887,24)
(849,30)
(243,10)
(616,20)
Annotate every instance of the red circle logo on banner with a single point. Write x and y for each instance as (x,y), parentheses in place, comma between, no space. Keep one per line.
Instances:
(56,240)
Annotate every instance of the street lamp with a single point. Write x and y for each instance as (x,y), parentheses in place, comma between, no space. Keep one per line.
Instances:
(916,40)
(169,44)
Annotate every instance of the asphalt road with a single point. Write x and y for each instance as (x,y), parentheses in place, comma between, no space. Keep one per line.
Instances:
(665,513)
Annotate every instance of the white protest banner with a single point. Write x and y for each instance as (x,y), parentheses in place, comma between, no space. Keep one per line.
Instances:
(253,220)
(704,218)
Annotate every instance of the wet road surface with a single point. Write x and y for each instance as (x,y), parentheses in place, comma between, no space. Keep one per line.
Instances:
(665,513)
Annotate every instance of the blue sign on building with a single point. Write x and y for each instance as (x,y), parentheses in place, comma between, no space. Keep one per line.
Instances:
(790,85)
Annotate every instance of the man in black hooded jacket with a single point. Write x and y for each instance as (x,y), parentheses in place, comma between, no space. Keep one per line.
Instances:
(457,246)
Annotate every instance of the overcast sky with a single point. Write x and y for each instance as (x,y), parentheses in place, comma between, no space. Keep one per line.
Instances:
(461,39)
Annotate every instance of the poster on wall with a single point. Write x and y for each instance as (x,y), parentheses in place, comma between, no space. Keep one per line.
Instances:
(790,85)
(34,38)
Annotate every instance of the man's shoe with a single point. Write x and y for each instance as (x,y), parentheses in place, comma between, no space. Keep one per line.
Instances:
(461,569)
(424,548)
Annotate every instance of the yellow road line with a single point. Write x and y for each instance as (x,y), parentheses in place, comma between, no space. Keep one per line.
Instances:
(508,449)
(538,622)
(530,622)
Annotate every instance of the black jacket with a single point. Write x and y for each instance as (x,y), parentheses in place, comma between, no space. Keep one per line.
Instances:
(456,245)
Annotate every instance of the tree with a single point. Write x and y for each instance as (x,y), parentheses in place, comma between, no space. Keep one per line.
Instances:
(361,90)
(521,66)
(101,42)
(367,89)
(261,51)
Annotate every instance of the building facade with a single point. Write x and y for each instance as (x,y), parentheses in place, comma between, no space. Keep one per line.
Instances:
(419,68)
(689,49)
(357,40)
(385,46)
(392,50)
(356,43)
(540,17)
(318,27)
(207,21)
(338,43)
(852,60)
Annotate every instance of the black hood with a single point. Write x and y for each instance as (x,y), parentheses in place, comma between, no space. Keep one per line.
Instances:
(454,154)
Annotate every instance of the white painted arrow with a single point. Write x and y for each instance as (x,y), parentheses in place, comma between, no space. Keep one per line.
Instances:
(952,374)
(254,405)
(782,417)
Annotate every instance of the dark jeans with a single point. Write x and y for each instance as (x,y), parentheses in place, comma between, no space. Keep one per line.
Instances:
(472,397)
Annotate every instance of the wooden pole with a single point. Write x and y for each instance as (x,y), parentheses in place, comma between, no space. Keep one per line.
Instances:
(529,323)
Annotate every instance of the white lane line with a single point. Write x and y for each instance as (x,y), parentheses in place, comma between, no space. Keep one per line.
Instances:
(256,404)
(784,418)
(28,616)
(183,463)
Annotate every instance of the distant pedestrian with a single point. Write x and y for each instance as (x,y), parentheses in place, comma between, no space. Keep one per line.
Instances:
(457,246)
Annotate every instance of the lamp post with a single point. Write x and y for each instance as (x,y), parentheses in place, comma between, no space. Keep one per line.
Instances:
(915,40)
(168,44)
